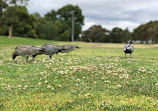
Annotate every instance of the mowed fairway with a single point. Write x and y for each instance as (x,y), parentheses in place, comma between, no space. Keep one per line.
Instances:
(95,77)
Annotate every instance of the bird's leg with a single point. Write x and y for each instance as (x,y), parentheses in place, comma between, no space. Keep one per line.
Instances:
(33,56)
(67,53)
(50,56)
(130,55)
(27,57)
(125,54)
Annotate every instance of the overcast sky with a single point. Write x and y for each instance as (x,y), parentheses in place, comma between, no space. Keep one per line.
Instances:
(107,13)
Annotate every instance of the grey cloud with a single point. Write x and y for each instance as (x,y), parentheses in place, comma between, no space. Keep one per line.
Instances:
(110,13)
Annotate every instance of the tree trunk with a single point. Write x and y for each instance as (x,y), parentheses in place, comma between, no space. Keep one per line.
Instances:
(141,41)
(1,12)
(152,41)
(10,31)
(0,16)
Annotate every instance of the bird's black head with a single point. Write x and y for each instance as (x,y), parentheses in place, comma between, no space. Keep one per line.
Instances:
(60,50)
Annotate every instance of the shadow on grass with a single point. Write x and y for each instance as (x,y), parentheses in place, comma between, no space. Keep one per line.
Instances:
(85,104)
(80,103)
(120,108)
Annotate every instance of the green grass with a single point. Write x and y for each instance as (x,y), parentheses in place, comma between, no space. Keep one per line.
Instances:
(95,77)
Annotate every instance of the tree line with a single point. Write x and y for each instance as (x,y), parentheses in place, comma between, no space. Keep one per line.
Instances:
(15,20)
(143,33)
(97,33)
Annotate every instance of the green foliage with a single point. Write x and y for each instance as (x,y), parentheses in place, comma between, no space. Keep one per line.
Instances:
(54,26)
(127,35)
(65,14)
(4,30)
(60,23)
(39,23)
(116,35)
(51,16)
(18,17)
(50,31)
(147,32)
(140,33)
(96,34)
(5,3)
(10,16)
(65,36)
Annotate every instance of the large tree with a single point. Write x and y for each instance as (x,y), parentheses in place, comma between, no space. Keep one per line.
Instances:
(10,18)
(5,3)
(51,16)
(96,34)
(146,32)
(140,33)
(116,35)
(40,24)
(17,19)
(127,35)
(60,23)
(65,14)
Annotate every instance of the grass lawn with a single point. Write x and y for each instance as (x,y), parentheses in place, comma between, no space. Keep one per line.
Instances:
(95,77)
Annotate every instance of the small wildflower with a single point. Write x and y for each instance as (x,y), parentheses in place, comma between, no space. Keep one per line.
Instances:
(25,86)
(39,84)
(48,87)
(142,70)
(108,72)
(76,85)
(46,82)
(19,86)
(31,86)
(119,85)
(59,85)
(127,82)
(22,80)
(3,84)
(124,76)
(107,81)
(8,87)
(78,80)
(103,103)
